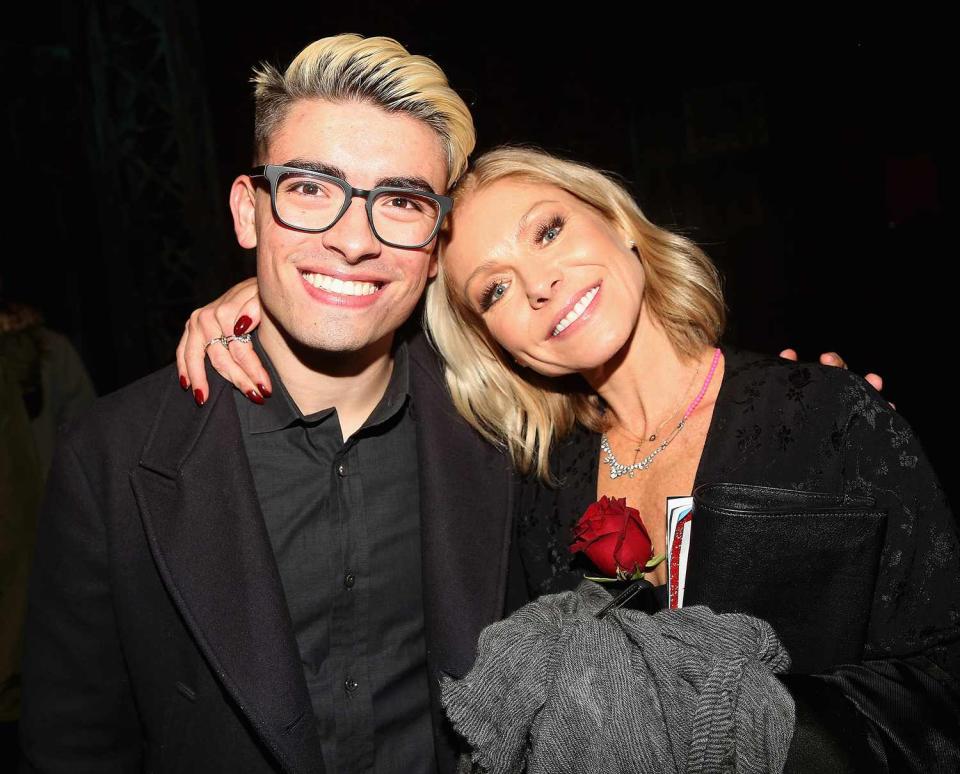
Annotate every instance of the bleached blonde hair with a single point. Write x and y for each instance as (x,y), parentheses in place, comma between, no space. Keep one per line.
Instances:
(376,70)
(516,408)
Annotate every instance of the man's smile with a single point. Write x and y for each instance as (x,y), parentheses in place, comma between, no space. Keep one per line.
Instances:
(340,286)
(345,291)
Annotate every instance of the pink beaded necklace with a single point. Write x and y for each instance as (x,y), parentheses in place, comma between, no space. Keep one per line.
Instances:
(618,469)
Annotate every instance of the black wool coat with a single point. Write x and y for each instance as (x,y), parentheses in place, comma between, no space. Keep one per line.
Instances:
(158,636)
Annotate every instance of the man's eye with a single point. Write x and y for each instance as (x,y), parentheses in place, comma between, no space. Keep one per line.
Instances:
(403,203)
(311,188)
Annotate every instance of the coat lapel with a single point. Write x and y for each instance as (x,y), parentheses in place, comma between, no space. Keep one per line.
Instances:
(466,502)
(200,512)
(466,508)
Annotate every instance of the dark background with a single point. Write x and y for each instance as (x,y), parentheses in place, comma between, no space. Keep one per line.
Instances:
(807,156)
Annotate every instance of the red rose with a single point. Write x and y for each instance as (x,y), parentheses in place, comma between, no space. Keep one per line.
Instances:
(613,537)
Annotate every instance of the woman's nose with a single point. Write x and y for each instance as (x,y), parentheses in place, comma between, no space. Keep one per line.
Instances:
(542,288)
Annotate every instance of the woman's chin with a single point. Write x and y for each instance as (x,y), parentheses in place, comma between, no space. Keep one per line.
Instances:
(591,361)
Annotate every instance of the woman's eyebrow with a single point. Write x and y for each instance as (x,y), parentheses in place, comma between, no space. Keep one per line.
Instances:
(479,270)
(523,224)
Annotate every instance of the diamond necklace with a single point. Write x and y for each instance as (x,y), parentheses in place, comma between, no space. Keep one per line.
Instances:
(618,469)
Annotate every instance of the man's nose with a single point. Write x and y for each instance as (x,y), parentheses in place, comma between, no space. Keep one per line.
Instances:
(352,235)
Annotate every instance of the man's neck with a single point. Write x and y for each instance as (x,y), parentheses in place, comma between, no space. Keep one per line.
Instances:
(351,382)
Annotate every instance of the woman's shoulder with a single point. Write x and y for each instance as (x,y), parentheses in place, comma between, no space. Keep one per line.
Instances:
(773,381)
(804,425)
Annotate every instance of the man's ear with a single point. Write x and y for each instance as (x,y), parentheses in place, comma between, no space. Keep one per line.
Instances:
(243,205)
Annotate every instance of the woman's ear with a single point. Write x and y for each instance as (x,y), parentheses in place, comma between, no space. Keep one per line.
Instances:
(628,241)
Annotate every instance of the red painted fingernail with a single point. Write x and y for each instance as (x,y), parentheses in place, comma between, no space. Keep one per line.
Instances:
(184,384)
(264,391)
(256,397)
(198,397)
(241,327)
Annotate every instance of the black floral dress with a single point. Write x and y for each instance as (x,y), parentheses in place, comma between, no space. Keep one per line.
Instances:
(818,429)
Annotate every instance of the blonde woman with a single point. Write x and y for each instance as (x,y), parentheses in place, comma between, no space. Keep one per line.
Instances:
(584,340)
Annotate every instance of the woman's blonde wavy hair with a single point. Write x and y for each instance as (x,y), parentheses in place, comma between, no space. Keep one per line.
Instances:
(377,70)
(516,408)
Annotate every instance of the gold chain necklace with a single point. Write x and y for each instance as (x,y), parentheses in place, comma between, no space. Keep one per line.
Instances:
(673,412)
(618,469)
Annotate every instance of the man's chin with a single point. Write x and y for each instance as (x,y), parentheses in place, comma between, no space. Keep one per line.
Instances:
(335,341)
(309,335)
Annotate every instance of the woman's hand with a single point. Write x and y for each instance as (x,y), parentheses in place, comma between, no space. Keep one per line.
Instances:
(236,312)
(833,359)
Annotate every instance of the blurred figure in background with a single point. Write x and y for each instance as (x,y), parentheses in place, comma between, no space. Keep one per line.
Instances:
(43,383)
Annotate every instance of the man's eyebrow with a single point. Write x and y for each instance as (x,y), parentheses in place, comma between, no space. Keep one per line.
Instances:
(322,168)
(418,183)
(319,167)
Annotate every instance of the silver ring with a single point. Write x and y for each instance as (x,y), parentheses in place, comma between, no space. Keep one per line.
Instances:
(243,338)
(214,340)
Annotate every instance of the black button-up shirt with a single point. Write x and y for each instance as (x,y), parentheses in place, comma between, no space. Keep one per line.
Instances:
(344,521)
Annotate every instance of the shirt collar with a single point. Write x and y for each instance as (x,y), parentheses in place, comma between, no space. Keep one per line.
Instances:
(280,411)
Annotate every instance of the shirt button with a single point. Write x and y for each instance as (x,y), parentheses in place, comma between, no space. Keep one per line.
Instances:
(341,470)
(349,579)
(350,685)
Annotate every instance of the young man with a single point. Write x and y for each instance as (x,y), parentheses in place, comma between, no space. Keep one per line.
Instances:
(236,587)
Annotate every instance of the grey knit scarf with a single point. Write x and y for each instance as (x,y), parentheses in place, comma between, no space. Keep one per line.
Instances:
(554,690)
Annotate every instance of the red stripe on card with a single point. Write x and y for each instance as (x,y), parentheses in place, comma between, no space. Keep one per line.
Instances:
(675,547)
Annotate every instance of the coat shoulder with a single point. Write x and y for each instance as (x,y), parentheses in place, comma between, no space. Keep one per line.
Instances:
(124,417)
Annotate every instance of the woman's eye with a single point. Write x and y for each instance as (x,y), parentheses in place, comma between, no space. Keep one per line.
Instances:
(493,293)
(550,230)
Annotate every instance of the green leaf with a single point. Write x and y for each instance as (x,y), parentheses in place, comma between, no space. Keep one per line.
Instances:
(602,580)
(655,561)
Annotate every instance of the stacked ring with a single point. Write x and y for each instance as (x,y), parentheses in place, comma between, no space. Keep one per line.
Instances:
(227,340)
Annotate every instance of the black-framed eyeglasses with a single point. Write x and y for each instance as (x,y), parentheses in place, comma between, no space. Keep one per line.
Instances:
(314,202)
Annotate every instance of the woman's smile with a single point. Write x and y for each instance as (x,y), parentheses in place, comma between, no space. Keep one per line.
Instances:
(571,315)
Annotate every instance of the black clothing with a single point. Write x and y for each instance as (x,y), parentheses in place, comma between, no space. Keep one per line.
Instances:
(344,522)
(159,637)
(821,429)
